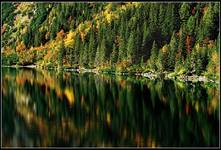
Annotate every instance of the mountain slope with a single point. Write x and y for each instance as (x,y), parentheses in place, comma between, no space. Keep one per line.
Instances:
(134,37)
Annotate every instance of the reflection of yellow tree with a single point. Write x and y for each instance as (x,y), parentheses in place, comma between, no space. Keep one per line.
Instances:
(44,78)
(214,101)
(70,95)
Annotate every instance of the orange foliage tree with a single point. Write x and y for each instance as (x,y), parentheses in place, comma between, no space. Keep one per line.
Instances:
(20,47)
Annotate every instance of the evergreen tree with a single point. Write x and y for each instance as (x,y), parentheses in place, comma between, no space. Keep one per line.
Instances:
(145,35)
(85,61)
(131,48)
(61,50)
(182,41)
(153,17)
(208,22)
(190,63)
(153,57)
(122,44)
(172,52)
(97,56)
(102,48)
(159,62)
(162,12)
(109,41)
(178,62)
(75,53)
(138,44)
(91,49)
(199,66)
(114,55)
(184,12)
(191,25)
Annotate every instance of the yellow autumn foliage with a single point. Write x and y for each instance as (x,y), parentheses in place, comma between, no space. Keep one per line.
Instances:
(215,57)
(108,17)
(60,35)
(214,64)
(108,7)
(70,95)
(83,28)
(165,49)
(20,47)
(24,6)
(108,118)
(69,41)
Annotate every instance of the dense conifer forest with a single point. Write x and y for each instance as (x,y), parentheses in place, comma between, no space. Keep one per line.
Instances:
(178,38)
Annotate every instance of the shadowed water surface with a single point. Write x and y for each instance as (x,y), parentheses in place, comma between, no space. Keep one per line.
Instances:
(47,108)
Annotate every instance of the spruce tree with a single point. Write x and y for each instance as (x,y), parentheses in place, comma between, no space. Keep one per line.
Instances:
(97,56)
(153,56)
(172,52)
(114,55)
(92,50)
(184,12)
(102,57)
(131,48)
(61,50)
(191,25)
(76,51)
(123,38)
(182,41)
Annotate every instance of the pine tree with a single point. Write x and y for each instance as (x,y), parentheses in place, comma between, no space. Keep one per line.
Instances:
(159,62)
(190,63)
(114,55)
(153,56)
(138,44)
(178,62)
(162,12)
(145,35)
(91,49)
(97,56)
(122,40)
(191,25)
(61,50)
(102,49)
(131,48)
(153,17)
(109,40)
(82,49)
(207,27)
(163,58)
(184,12)
(199,66)
(172,52)
(166,24)
(182,41)
(86,55)
(76,51)
(208,22)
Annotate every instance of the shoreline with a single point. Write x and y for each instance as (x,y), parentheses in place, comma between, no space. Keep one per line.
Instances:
(18,66)
(149,75)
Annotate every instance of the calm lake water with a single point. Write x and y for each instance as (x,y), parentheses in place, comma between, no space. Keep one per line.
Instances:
(47,108)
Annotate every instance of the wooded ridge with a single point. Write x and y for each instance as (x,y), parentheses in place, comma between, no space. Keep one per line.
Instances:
(178,38)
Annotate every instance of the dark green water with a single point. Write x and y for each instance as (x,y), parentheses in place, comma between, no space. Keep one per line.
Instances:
(41,108)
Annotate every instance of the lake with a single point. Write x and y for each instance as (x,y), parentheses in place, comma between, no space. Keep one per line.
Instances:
(67,109)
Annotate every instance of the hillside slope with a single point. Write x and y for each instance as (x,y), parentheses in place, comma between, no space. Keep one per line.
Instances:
(124,37)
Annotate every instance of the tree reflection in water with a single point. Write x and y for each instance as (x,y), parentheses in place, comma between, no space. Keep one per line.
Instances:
(43,108)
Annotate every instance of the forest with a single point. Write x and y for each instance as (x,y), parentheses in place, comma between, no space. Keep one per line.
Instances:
(135,37)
